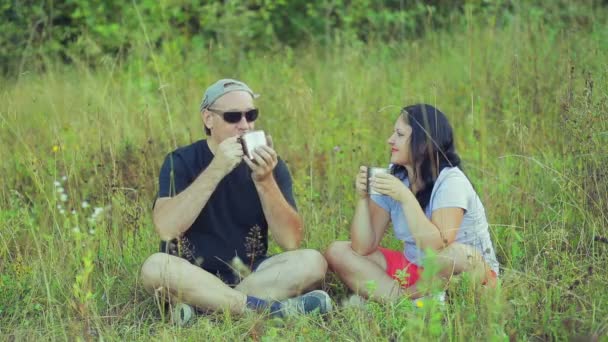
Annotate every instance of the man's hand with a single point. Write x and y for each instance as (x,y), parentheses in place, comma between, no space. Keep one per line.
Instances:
(389,185)
(228,155)
(265,159)
(361,182)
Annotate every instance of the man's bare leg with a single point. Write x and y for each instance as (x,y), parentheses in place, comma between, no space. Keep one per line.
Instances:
(285,275)
(189,284)
(282,276)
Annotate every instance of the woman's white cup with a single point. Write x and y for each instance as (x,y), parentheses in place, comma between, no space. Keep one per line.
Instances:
(371,172)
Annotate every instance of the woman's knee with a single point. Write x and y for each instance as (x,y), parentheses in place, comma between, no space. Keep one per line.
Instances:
(457,258)
(337,252)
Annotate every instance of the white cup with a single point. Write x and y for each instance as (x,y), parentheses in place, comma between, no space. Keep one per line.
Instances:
(251,140)
(371,172)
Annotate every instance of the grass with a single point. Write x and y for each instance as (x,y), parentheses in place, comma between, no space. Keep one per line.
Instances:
(529,106)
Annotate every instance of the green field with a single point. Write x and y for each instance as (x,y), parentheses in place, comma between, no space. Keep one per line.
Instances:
(529,105)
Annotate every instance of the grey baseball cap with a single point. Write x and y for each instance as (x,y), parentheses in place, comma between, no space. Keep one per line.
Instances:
(221,87)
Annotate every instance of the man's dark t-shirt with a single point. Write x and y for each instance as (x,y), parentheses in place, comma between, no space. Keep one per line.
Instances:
(232,223)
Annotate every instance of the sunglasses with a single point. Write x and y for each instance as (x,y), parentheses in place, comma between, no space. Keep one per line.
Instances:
(234,117)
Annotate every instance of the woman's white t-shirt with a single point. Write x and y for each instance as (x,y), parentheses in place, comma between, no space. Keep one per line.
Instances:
(451,190)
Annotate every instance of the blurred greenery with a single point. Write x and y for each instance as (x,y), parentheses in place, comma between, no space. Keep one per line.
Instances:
(87,30)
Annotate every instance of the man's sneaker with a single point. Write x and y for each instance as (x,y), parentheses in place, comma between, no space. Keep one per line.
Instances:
(181,314)
(314,301)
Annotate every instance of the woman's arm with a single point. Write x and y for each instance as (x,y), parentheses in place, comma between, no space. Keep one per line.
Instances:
(436,233)
(369,221)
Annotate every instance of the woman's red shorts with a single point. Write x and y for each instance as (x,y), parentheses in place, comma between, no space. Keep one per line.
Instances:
(410,272)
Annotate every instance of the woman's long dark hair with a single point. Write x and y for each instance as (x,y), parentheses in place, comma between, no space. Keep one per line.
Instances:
(431,147)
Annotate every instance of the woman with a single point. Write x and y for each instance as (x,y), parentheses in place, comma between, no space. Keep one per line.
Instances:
(431,204)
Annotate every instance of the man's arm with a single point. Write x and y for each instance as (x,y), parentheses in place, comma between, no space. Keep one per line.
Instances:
(173,216)
(284,222)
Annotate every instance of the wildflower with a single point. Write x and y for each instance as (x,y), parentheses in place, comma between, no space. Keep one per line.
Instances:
(76,229)
(59,206)
(85,204)
(239,268)
(55,148)
(64,178)
(419,303)
(97,211)
(63,197)
(74,212)
(61,211)
(198,261)
(337,148)
(253,242)
(92,231)
(57,184)
(60,190)
(95,214)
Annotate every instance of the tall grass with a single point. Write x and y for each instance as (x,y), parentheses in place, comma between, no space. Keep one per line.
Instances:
(529,106)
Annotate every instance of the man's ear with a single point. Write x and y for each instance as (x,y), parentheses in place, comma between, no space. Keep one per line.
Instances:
(207,118)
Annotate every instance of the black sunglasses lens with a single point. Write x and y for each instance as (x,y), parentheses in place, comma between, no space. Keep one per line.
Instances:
(251,115)
(233,117)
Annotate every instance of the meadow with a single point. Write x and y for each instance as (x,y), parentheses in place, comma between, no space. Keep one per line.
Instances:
(81,148)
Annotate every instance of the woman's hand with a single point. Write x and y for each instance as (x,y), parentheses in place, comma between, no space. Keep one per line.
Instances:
(389,185)
(361,182)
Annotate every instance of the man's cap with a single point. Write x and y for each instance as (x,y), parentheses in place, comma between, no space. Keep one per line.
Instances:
(221,87)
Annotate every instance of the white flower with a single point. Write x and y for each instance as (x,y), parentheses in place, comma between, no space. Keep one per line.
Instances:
(61,211)
(56,183)
(59,206)
(85,204)
(92,231)
(63,197)
(64,178)
(76,229)
(60,190)
(74,212)
(95,214)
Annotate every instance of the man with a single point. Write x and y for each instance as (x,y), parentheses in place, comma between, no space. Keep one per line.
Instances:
(215,204)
